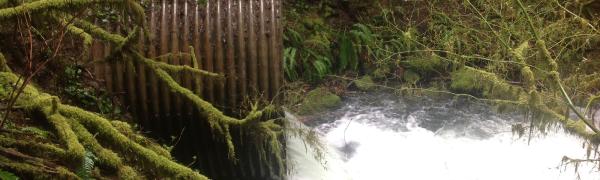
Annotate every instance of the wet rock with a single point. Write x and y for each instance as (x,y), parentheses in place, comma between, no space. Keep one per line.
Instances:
(318,100)
(365,83)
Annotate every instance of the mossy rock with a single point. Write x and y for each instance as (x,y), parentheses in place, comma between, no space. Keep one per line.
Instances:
(411,77)
(426,63)
(365,83)
(464,81)
(319,100)
(382,72)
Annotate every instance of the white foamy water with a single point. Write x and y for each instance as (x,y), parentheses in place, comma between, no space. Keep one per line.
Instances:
(454,146)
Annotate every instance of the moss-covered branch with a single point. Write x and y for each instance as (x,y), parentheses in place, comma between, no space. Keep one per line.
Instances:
(99,32)
(127,130)
(104,129)
(182,68)
(217,119)
(66,119)
(36,148)
(106,157)
(40,171)
(553,65)
(45,5)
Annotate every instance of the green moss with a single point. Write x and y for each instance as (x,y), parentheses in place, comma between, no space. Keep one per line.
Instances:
(489,85)
(87,38)
(365,83)
(105,129)
(36,131)
(313,21)
(185,68)
(75,150)
(105,157)
(99,32)
(36,148)
(41,6)
(411,77)
(45,103)
(425,63)
(216,119)
(66,119)
(382,72)
(318,100)
(127,130)
(576,127)
(3,66)
(38,171)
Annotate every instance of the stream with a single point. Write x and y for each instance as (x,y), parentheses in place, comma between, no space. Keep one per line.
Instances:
(382,136)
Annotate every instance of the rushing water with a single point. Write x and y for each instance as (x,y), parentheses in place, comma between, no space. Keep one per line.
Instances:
(385,137)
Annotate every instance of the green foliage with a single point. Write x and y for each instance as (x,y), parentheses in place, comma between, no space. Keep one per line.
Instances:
(289,63)
(363,38)
(86,96)
(310,58)
(5,175)
(87,166)
(348,58)
(107,14)
(314,49)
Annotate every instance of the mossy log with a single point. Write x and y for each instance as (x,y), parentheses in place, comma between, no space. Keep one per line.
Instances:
(74,126)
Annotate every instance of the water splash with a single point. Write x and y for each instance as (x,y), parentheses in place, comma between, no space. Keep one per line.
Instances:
(439,140)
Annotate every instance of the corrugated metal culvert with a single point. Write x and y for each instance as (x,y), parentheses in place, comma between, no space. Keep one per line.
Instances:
(241,39)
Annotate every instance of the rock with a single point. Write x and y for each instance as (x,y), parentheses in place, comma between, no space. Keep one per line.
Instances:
(365,83)
(411,77)
(318,100)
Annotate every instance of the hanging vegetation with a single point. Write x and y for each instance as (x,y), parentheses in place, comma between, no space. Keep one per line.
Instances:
(86,138)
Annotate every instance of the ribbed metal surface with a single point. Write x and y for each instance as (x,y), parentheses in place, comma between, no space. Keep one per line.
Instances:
(241,39)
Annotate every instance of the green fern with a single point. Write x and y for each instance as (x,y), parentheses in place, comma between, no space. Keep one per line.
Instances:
(289,63)
(87,166)
(363,36)
(348,59)
(5,175)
